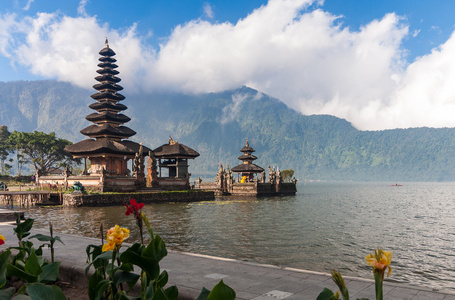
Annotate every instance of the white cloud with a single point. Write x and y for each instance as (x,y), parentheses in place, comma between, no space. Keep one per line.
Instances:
(27,6)
(81,8)
(208,11)
(301,57)
(230,111)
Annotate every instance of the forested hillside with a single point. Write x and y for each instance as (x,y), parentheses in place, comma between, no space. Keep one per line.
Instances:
(318,147)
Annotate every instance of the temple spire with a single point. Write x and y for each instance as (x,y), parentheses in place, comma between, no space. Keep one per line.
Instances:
(106,42)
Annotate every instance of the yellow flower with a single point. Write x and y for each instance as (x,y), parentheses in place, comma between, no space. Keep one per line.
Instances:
(380,261)
(115,237)
(2,239)
(108,247)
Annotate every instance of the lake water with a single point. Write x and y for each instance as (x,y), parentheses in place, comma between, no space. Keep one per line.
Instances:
(325,226)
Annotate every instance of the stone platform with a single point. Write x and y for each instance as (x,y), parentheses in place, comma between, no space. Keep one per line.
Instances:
(10,215)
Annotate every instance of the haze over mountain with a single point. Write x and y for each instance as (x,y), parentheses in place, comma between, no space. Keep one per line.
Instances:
(319,147)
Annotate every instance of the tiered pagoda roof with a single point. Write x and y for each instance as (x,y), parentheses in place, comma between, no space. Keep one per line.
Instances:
(247,159)
(107,132)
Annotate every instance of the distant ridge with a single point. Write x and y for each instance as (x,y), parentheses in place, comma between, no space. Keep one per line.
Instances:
(216,125)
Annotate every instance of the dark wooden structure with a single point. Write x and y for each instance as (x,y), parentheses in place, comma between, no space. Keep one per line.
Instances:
(172,162)
(108,148)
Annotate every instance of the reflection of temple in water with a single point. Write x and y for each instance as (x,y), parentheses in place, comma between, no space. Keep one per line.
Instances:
(251,179)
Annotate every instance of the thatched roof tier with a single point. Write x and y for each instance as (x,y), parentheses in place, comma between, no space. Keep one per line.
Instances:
(107,59)
(108,78)
(247,157)
(107,116)
(247,168)
(107,86)
(107,71)
(107,64)
(106,130)
(108,96)
(90,146)
(175,150)
(106,105)
(247,149)
(106,51)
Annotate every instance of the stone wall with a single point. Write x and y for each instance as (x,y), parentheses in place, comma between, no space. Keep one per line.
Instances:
(287,188)
(107,199)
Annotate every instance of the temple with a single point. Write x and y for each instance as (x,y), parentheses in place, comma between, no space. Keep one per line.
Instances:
(172,161)
(251,179)
(247,169)
(107,147)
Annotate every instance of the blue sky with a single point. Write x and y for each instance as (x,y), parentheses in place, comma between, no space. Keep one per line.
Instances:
(378,64)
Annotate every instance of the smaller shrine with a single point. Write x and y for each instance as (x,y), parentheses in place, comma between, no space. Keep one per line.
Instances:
(247,169)
(168,166)
(251,179)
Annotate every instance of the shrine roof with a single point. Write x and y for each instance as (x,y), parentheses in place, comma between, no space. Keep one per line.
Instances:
(247,157)
(247,168)
(106,51)
(108,96)
(108,130)
(175,150)
(91,146)
(98,117)
(107,105)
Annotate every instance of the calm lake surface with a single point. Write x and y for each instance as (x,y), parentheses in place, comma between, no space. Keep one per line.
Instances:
(325,226)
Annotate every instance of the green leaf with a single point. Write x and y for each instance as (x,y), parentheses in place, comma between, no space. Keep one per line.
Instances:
(7,294)
(147,264)
(57,238)
(204,294)
(101,287)
(163,279)
(32,265)
(105,256)
(159,295)
(22,297)
(41,237)
(129,278)
(326,294)
(50,272)
(156,249)
(172,293)
(149,292)
(23,229)
(39,291)
(15,271)
(221,291)
(5,258)
(93,283)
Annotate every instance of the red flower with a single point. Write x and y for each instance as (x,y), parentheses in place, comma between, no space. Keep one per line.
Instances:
(134,207)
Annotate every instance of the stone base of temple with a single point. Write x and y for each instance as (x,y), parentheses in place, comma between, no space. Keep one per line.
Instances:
(169,184)
(95,182)
(76,200)
(250,189)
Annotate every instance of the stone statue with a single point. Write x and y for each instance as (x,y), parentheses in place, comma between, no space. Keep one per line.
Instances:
(152,174)
(262,177)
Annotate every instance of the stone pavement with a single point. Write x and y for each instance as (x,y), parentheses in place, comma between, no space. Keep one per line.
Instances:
(190,272)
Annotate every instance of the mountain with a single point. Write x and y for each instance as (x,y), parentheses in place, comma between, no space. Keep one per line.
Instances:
(319,147)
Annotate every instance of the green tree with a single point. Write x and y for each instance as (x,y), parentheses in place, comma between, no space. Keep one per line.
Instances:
(5,148)
(43,150)
(286,175)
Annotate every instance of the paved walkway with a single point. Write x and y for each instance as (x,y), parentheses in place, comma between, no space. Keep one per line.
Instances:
(191,272)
